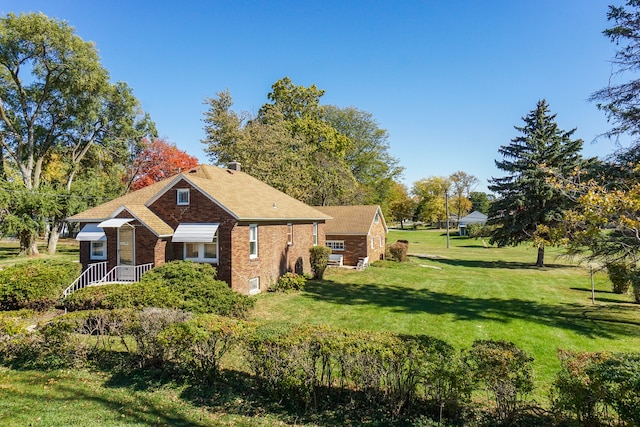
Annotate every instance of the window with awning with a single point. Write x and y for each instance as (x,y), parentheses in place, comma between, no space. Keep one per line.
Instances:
(91,233)
(195,233)
(200,241)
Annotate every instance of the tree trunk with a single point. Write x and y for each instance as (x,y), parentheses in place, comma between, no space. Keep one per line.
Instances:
(401,224)
(540,261)
(54,235)
(28,244)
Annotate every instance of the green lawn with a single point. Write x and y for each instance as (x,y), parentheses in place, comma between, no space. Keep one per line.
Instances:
(470,292)
(458,294)
(67,249)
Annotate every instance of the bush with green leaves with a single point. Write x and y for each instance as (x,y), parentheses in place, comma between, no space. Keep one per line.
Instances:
(35,284)
(619,275)
(181,285)
(14,322)
(52,346)
(305,365)
(504,371)
(145,328)
(289,282)
(591,386)
(319,257)
(196,346)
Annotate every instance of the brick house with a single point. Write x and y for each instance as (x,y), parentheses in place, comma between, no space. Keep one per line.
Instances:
(251,232)
(355,232)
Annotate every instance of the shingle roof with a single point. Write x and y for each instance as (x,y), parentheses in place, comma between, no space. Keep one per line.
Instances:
(248,198)
(243,196)
(350,219)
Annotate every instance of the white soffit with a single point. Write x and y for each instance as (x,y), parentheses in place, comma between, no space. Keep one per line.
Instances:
(115,222)
(195,233)
(91,233)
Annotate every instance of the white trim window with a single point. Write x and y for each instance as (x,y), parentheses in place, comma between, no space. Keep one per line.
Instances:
(336,245)
(98,250)
(253,240)
(381,242)
(201,252)
(376,219)
(254,285)
(315,234)
(289,234)
(373,242)
(182,197)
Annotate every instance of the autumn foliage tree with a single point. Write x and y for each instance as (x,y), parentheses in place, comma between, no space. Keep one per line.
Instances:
(158,160)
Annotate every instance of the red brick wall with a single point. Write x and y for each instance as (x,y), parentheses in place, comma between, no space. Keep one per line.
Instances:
(200,210)
(356,247)
(275,256)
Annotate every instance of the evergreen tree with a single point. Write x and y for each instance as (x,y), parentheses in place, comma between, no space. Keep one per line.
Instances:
(528,207)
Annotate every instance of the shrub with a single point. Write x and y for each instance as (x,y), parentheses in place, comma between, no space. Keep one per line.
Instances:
(619,275)
(301,364)
(51,347)
(319,256)
(398,251)
(182,285)
(145,328)
(289,282)
(505,371)
(589,385)
(36,284)
(14,323)
(197,345)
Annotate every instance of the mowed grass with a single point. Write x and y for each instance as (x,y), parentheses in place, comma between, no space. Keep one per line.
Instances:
(470,292)
(93,398)
(67,249)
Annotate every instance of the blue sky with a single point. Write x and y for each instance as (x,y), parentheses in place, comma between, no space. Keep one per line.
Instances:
(447,79)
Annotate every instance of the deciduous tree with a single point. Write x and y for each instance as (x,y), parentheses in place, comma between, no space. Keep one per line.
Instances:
(56,97)
(528,207)
(158,160)
(320,155)
(430,193)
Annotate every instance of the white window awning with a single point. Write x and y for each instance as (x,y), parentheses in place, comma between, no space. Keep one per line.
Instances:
(91,233)
(195,233)
(114,222)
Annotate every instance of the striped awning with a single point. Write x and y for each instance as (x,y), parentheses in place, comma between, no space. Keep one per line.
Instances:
(115,222)
(195,233)
(91,233)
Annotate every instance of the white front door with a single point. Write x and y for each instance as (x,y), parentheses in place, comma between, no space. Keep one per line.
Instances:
(126,253)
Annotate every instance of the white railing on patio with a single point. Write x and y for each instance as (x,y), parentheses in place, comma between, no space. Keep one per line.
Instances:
(93,274)
(125,273)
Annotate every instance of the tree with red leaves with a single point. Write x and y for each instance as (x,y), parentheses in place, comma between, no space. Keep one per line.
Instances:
(158,160)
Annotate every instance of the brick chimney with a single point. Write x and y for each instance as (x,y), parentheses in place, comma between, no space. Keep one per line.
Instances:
(236,166)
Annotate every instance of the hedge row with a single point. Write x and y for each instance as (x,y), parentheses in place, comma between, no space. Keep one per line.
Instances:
(312,368)
(37,284)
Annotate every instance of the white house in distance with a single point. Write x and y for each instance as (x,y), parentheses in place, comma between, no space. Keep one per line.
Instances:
(474,217)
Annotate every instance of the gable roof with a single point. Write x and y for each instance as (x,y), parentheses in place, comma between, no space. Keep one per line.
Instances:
(243,196)
(474,217)
(354,220)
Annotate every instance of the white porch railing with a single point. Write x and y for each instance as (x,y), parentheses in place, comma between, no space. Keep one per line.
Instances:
(93,274)
(96,274)
(125,273)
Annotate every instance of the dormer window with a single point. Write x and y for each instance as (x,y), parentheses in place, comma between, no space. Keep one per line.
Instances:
(376,219)
(182,196)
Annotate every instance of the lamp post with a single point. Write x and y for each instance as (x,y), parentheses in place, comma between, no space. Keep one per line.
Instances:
(446,207)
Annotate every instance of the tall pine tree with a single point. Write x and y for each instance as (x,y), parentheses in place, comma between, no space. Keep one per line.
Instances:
(528,207)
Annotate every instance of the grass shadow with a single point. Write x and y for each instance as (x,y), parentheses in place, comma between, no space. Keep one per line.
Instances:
(596,321)
(513,265)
